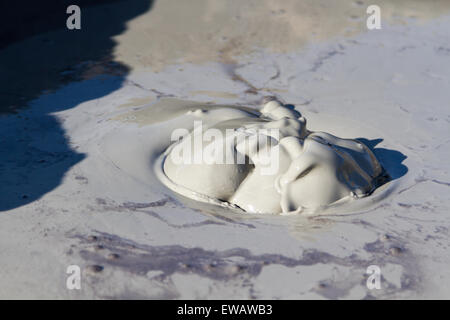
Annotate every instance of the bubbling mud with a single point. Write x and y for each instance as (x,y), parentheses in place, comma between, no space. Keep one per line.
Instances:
(288,169)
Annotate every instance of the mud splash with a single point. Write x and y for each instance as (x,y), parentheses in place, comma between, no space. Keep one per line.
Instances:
(287,169)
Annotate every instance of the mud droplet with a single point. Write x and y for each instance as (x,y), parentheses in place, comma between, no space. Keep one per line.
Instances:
(92,238)
(321,286)
(209,267)
(186,265)
(99,247)
(113,256)
(94,269)
(395,251)
(232,270)
(241,268)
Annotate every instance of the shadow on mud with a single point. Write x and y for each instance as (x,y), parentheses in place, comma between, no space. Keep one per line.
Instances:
(391,160)
(42,59)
